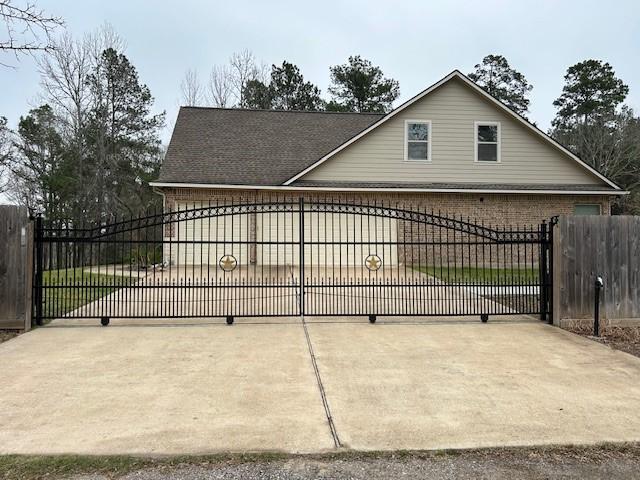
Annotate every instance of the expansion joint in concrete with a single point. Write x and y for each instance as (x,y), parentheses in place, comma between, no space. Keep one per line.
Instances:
(323,394)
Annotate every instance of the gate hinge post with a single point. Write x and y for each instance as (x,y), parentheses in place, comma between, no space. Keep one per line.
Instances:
(38,271)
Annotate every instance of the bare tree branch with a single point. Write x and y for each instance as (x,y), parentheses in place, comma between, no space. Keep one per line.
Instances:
(191,89)
(220,87)
(28,29)
(244,68)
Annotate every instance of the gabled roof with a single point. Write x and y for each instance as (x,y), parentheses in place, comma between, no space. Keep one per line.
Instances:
(226,147)
(456,74)
(253,147)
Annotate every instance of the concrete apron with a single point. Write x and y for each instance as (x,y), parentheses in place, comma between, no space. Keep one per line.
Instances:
(160,390)
(189,389)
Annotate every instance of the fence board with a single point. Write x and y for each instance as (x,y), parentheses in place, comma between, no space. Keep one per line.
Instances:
(634,274)
(588,246)
(16,255)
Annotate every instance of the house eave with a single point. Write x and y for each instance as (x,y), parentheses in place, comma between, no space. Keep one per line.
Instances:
(541,191)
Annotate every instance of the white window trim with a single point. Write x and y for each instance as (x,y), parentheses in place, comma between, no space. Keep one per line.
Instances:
(475,142)
(428,142)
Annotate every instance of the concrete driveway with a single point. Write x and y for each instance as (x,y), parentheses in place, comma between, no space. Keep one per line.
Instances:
(401,384)
(274,290)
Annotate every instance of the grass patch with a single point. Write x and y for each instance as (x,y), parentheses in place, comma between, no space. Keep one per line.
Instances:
(26,467)
(497,276)
(20,467)
(8,334)
(69,293)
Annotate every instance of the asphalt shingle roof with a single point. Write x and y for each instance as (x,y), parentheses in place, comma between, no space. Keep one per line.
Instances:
(253,147)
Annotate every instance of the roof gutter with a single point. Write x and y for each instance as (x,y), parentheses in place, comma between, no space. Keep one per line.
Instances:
(383,189)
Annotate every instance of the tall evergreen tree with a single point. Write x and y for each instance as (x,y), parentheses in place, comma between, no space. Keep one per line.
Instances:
(122,135)
(592,122)
(496,77)
(257,95)
(359,86)
(43,176)
(591,93)
(287,90)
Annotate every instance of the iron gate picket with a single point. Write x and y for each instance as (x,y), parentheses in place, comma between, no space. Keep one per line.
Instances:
(290,257)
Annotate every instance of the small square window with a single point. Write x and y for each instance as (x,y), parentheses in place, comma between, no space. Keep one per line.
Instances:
(417,145)
(487,142)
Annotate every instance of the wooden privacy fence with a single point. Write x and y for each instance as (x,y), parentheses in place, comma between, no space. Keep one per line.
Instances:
(16,267)
(586,247)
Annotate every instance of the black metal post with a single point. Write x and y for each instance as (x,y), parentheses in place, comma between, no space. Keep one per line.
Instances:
(301,248)
(543,271)
(38,272)
(596,314)
(552,226)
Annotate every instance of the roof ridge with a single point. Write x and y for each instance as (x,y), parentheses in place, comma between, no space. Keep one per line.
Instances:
(273,110)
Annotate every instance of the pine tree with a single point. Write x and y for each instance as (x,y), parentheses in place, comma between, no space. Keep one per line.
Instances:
(287,90)
(122,135)
(359,86)
(496,77)
(591,92)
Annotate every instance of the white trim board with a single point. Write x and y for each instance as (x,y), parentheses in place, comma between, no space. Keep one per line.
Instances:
(542,191)
(459,75)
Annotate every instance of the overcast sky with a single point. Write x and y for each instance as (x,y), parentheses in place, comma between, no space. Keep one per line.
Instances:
(415,42)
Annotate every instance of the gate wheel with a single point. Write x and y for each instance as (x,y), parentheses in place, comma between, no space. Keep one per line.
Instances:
(229,320)
(372,319)
(104,321)
(484,317)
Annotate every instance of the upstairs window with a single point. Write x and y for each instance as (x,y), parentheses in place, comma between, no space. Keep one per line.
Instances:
(417,145)
(487,138)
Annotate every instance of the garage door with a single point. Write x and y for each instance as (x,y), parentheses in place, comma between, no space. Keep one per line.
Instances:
(204,241)
(330,239)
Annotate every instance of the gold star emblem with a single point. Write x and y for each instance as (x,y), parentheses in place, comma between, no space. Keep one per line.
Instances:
(373,262)
(228,263)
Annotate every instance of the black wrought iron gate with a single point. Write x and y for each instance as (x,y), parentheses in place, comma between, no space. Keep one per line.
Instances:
(290,257)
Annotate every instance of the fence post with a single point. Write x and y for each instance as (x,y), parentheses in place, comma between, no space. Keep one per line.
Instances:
(543,271)
(38,271)
(552,225)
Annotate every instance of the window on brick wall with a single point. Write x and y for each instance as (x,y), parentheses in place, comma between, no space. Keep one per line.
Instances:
(586,209)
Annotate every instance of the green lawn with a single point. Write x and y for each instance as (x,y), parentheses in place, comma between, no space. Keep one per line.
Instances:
(69,293)
(483,275)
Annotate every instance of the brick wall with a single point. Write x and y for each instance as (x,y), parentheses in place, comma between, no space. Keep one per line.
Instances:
(525,211)
(490,209)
